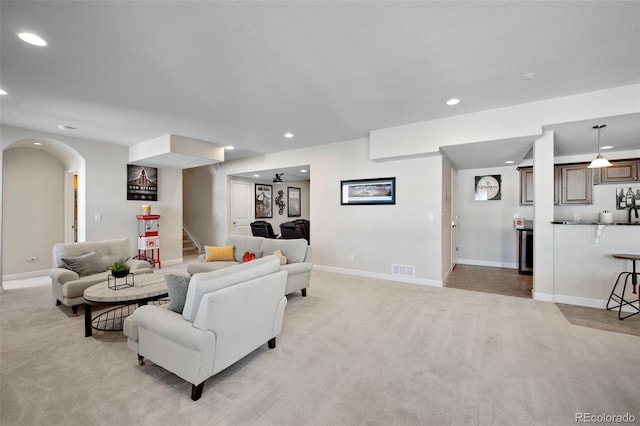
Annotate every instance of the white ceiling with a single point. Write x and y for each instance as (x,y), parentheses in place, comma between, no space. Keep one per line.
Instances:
(244,73)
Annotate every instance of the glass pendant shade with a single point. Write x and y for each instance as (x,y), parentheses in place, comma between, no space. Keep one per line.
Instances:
(600,161)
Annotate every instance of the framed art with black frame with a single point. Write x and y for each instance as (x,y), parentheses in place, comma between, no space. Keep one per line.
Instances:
(293,201)
(368,191)
(263,199)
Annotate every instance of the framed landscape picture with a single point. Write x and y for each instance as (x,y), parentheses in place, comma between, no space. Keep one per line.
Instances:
(368,191)
(263,200)
(293,201)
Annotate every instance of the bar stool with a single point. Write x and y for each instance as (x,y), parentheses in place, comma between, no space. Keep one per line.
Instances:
(619,297)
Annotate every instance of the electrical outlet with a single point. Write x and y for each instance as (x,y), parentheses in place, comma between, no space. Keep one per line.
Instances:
(351,256)
(32,259)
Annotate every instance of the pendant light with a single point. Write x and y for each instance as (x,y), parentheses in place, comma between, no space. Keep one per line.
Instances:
(600,161)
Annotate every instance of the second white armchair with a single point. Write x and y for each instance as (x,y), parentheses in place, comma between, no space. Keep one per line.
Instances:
(227,315)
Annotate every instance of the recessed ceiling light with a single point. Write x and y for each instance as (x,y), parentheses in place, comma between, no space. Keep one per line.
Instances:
(528,76)
(606,147)
(37,143)
(65,127)
(229,147)
(288,135)
(303,171)
(509,162)
(2,92)
(453,101)
(256,175)
(32,39)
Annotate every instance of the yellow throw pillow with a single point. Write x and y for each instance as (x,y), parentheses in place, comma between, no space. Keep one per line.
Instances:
(283,258)
(218,253)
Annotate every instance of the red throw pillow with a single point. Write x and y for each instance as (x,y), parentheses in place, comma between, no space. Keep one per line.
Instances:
(248,256)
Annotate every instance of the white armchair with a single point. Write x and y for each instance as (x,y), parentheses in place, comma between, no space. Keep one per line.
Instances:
(227,315)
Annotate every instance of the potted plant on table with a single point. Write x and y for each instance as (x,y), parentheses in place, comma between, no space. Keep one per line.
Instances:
(119,268)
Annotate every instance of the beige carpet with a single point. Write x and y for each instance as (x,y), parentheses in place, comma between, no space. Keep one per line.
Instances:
(355,351)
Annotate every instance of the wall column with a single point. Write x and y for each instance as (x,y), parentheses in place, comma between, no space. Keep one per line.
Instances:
(543,210)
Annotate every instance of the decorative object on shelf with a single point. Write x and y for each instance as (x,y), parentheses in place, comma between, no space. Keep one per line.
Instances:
(263,199)
(600,161)
(293,200)
(119,268)
(368,191)
(628,198)
(142,183)
(606,216)
(278,178)
(488,187)
(280,201)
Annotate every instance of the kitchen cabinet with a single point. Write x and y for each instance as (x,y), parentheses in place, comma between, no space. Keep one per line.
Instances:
(526,186)
(576,184)
(573,184)
(621,171)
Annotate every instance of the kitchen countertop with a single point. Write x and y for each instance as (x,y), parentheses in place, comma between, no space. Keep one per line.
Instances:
(593,222)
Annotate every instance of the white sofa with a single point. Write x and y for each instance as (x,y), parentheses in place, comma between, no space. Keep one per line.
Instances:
(227,315)
(297,252)
(68,286)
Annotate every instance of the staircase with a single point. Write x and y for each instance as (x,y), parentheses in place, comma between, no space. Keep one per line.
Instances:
(188,247)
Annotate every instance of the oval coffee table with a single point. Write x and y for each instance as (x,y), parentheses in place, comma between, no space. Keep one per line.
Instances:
(147,288)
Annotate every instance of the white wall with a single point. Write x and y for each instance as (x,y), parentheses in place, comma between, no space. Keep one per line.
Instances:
(486,233)
(104,181)
(33,208)
(377,236)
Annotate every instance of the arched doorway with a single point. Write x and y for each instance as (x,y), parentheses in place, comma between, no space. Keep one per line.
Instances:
(39,201)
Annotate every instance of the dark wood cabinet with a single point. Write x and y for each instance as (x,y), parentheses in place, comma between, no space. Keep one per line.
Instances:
(576,184)
(621,171)
(573,184)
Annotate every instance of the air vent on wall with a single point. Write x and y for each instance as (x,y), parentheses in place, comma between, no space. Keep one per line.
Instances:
(406,270)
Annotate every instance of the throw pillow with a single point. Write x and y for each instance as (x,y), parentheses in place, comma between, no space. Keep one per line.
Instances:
(87,264)
(218,253)
(283,258)
(177,286)
(248,257)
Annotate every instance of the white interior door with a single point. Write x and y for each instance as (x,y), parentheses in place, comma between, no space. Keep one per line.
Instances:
(454,218)
(241,208)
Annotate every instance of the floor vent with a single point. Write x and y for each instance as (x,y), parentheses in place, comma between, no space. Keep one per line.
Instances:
(406,270)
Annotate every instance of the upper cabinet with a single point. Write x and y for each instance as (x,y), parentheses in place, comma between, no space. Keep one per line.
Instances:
(573,184)
(576,184)
(620,171)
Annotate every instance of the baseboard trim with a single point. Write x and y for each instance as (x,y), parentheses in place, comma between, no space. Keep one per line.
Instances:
(23,275)
(477,262)
(380,276)
(575,300)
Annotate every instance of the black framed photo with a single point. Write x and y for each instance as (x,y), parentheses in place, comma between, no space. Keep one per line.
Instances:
(293,201)
(368,191)
(263,201)
(142,183)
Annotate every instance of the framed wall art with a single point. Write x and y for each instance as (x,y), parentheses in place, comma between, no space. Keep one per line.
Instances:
(263,198)
(368,191)
(488,187)
(142,183)
(293,201)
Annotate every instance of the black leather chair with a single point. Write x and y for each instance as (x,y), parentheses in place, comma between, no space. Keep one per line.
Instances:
(262,228)
(290,231)
(305,228)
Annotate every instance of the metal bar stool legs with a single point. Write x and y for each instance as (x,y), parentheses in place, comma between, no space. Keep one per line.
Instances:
(619,297)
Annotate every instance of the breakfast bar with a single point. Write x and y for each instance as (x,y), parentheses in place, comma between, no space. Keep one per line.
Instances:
(584,268)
